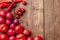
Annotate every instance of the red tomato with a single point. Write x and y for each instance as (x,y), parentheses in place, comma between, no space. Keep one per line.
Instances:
(5,4)
(3,28)
(38,38)
(12,38)
(2,20)
(26,32)
(11,32)
(18,29)
(1,5)
(9,15)
(18,0)
(3,37)
(2,13)
(24,3)
(30,38)
(20,37)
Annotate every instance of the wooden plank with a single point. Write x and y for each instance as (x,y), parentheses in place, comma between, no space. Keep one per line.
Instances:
(50,22)
(52,19)
(57,18)
(33,17)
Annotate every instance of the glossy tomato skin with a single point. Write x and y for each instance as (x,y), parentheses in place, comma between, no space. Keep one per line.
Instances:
(5,5)
(9,15)
(18,0)
(12,38)
(2,20)
(3,37)
(18,29)
(30,38)
(2,13)
(1,5)
(3,28)
(12,26)
(10,32)
(8,22)
(24,3)
(20,37)
(16,21)
(38,38)
(26,32)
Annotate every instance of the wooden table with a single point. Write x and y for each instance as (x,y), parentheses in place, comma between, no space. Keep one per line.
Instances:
(42,17)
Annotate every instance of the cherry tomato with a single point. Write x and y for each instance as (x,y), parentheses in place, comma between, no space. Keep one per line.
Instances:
(26,32)
(2,13)
(3,37)
(18,29)
(12,38)
(38,38)
(10,32)
(3,28)
(29,38)
(9,15)
(1,5)
(18,0)
(5,4)
(20,37)
(24,3)
(2,20)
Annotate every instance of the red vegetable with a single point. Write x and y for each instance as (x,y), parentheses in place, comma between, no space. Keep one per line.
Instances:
(24,3)
(3,28)
(20,37)
(12,25)
(3,13)
(16,21)
(9,15)
(20,13)
(11,32)
(18,0)
(17,12)
(12,38)
(8,22)
(2,20)
(26,32)
(19,9)
(18,29)
(38,38)
(1,5)
(22,10)
(30,38)
(3,37)
(5,4)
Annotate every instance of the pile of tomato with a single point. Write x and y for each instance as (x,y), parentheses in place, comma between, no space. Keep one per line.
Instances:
(10,29)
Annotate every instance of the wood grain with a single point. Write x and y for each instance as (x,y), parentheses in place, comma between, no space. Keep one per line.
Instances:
(33,17)
(49,20)
(52,19)
(57,18)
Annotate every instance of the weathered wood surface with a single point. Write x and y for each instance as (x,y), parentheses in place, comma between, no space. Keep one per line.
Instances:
(52,19)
